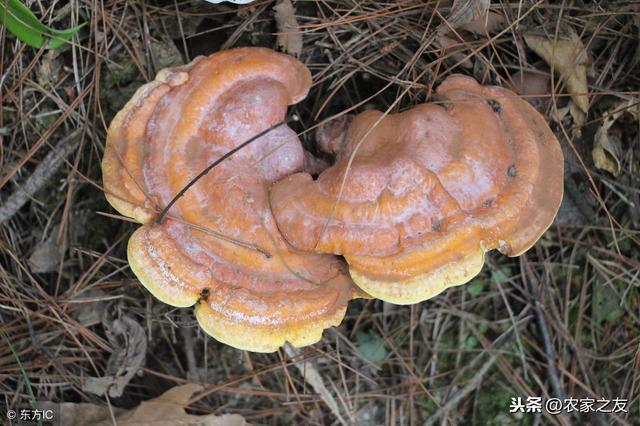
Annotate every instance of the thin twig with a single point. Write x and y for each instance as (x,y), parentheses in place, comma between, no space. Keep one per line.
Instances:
(210,167)
(311,375)
(40,177)
(552,372)
(476,380)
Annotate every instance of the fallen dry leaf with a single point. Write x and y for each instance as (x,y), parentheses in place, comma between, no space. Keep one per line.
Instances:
(79,414)
(46,256)
(530,83)
(90,312)
(490,23)
(49,68)
(606,147)
(453,50)
(579,118)
(567,56)
(605,153)
(464,12)
(165,410)
(559,114)
(289,35)
(473,16)
(168,410)
(469,15)
(534,86)
(129,343)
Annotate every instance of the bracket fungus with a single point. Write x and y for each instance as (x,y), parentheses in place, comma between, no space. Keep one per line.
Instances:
(219,247)
(415,199)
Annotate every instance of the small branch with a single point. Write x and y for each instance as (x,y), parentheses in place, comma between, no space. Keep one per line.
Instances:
(41,176)
(475,381)
(187,336)
(543,327)
(477,378)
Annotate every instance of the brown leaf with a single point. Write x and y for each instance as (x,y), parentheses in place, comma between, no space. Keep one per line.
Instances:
(606,151)
(464,12)
(46,256)
(530,83)
(568,58)
(49,68)
(558,114)
(489,23)
(579,118)
(289,37)
(168,410)
(453,50)
(473,16)
(313,377)
(534,86)
(79,414)
(606,147)
(165,410)
(129,342)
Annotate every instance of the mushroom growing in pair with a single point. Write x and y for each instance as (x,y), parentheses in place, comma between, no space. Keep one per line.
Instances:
(415,199)
(219,246)
(412,203)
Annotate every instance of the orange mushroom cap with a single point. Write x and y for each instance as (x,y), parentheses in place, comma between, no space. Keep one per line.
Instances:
(415,199)
(219,246)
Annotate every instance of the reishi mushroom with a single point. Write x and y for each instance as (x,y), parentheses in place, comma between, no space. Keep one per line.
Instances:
(219,246)
(415,199)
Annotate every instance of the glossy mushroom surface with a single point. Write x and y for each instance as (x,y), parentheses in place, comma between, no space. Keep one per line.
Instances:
(415,199)
(219,247)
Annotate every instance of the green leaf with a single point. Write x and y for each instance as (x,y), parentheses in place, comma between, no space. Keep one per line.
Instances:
(605,303)
(476,287)
(22,23)
(470,342)
(501,275)
(371,346)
